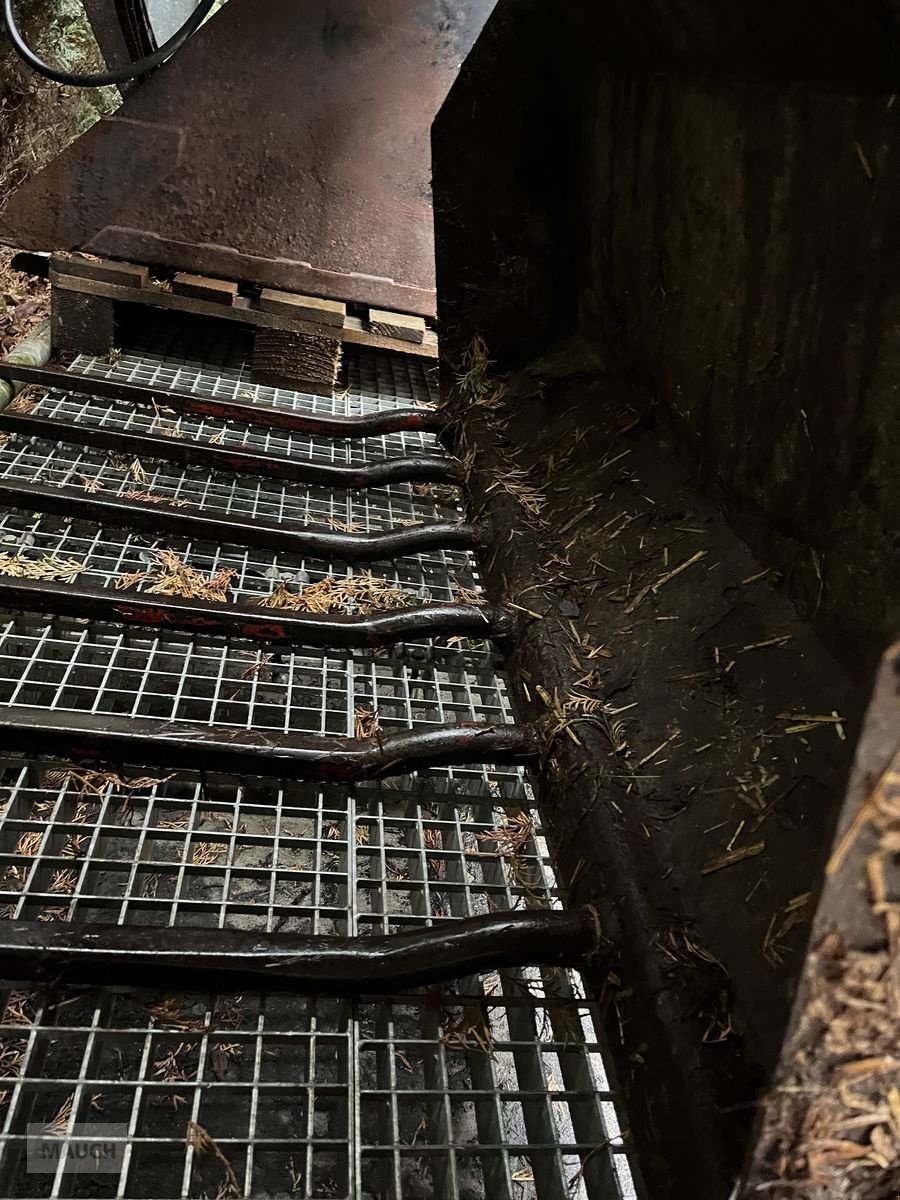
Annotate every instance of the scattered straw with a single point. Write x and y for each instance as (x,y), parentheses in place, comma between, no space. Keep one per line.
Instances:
(513,836)
(731,857)
(474,384)
(344,526)
(64,882)
(22,403)
(59,1122)
(515,482)
(18,1010)
(151,498)
(575,710)
(170,1067)
(806,722)
(207,853)
(75,846)
(97,783)
(655,586)
(468,595)
(29,844)
(12,1056)
(259,669)
(793,914)
(53,914)
(472,1031)
(169,1014)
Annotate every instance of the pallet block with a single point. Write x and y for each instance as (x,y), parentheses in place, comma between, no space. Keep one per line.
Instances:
(81,323)
(303,362)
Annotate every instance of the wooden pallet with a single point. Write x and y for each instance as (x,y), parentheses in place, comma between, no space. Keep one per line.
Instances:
(105,279)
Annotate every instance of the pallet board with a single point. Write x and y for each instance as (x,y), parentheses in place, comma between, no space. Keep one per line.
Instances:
(272,310)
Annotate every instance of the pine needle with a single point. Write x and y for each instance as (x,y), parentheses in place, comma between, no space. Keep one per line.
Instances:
(48,566)
(97,783)
(59,1122)
(362,593)
(365,723)
(151,498)
(174,577)
(201,1142)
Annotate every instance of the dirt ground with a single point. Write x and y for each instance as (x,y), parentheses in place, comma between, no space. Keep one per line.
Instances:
(734,727)
(727,728)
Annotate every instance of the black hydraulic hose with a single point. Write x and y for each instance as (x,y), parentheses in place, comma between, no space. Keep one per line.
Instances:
(117,75)
(139,956)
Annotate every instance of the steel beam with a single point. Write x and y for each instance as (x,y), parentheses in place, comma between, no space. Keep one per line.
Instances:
(397,420)
(101,737)
(164,517)
(193,453)
(213,959)
(274,627)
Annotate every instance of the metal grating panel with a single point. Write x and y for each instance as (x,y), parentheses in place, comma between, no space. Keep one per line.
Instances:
(107,555)
(223,494)
(496,1089)
(68,666)
(197,357)
(234,434)
(491,1088)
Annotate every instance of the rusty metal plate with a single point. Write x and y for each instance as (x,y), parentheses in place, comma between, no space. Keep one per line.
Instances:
(286,145)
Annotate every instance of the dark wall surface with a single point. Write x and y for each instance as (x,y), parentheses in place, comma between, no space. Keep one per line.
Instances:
(741,259)
(706,198)
(728,238)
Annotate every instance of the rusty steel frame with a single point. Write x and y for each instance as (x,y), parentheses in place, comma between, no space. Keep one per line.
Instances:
(287,628)
(375,424)
(113,955)
(286,145)
(110,738)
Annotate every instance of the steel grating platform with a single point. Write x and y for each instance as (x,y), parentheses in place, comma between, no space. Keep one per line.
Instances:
(491,1088)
